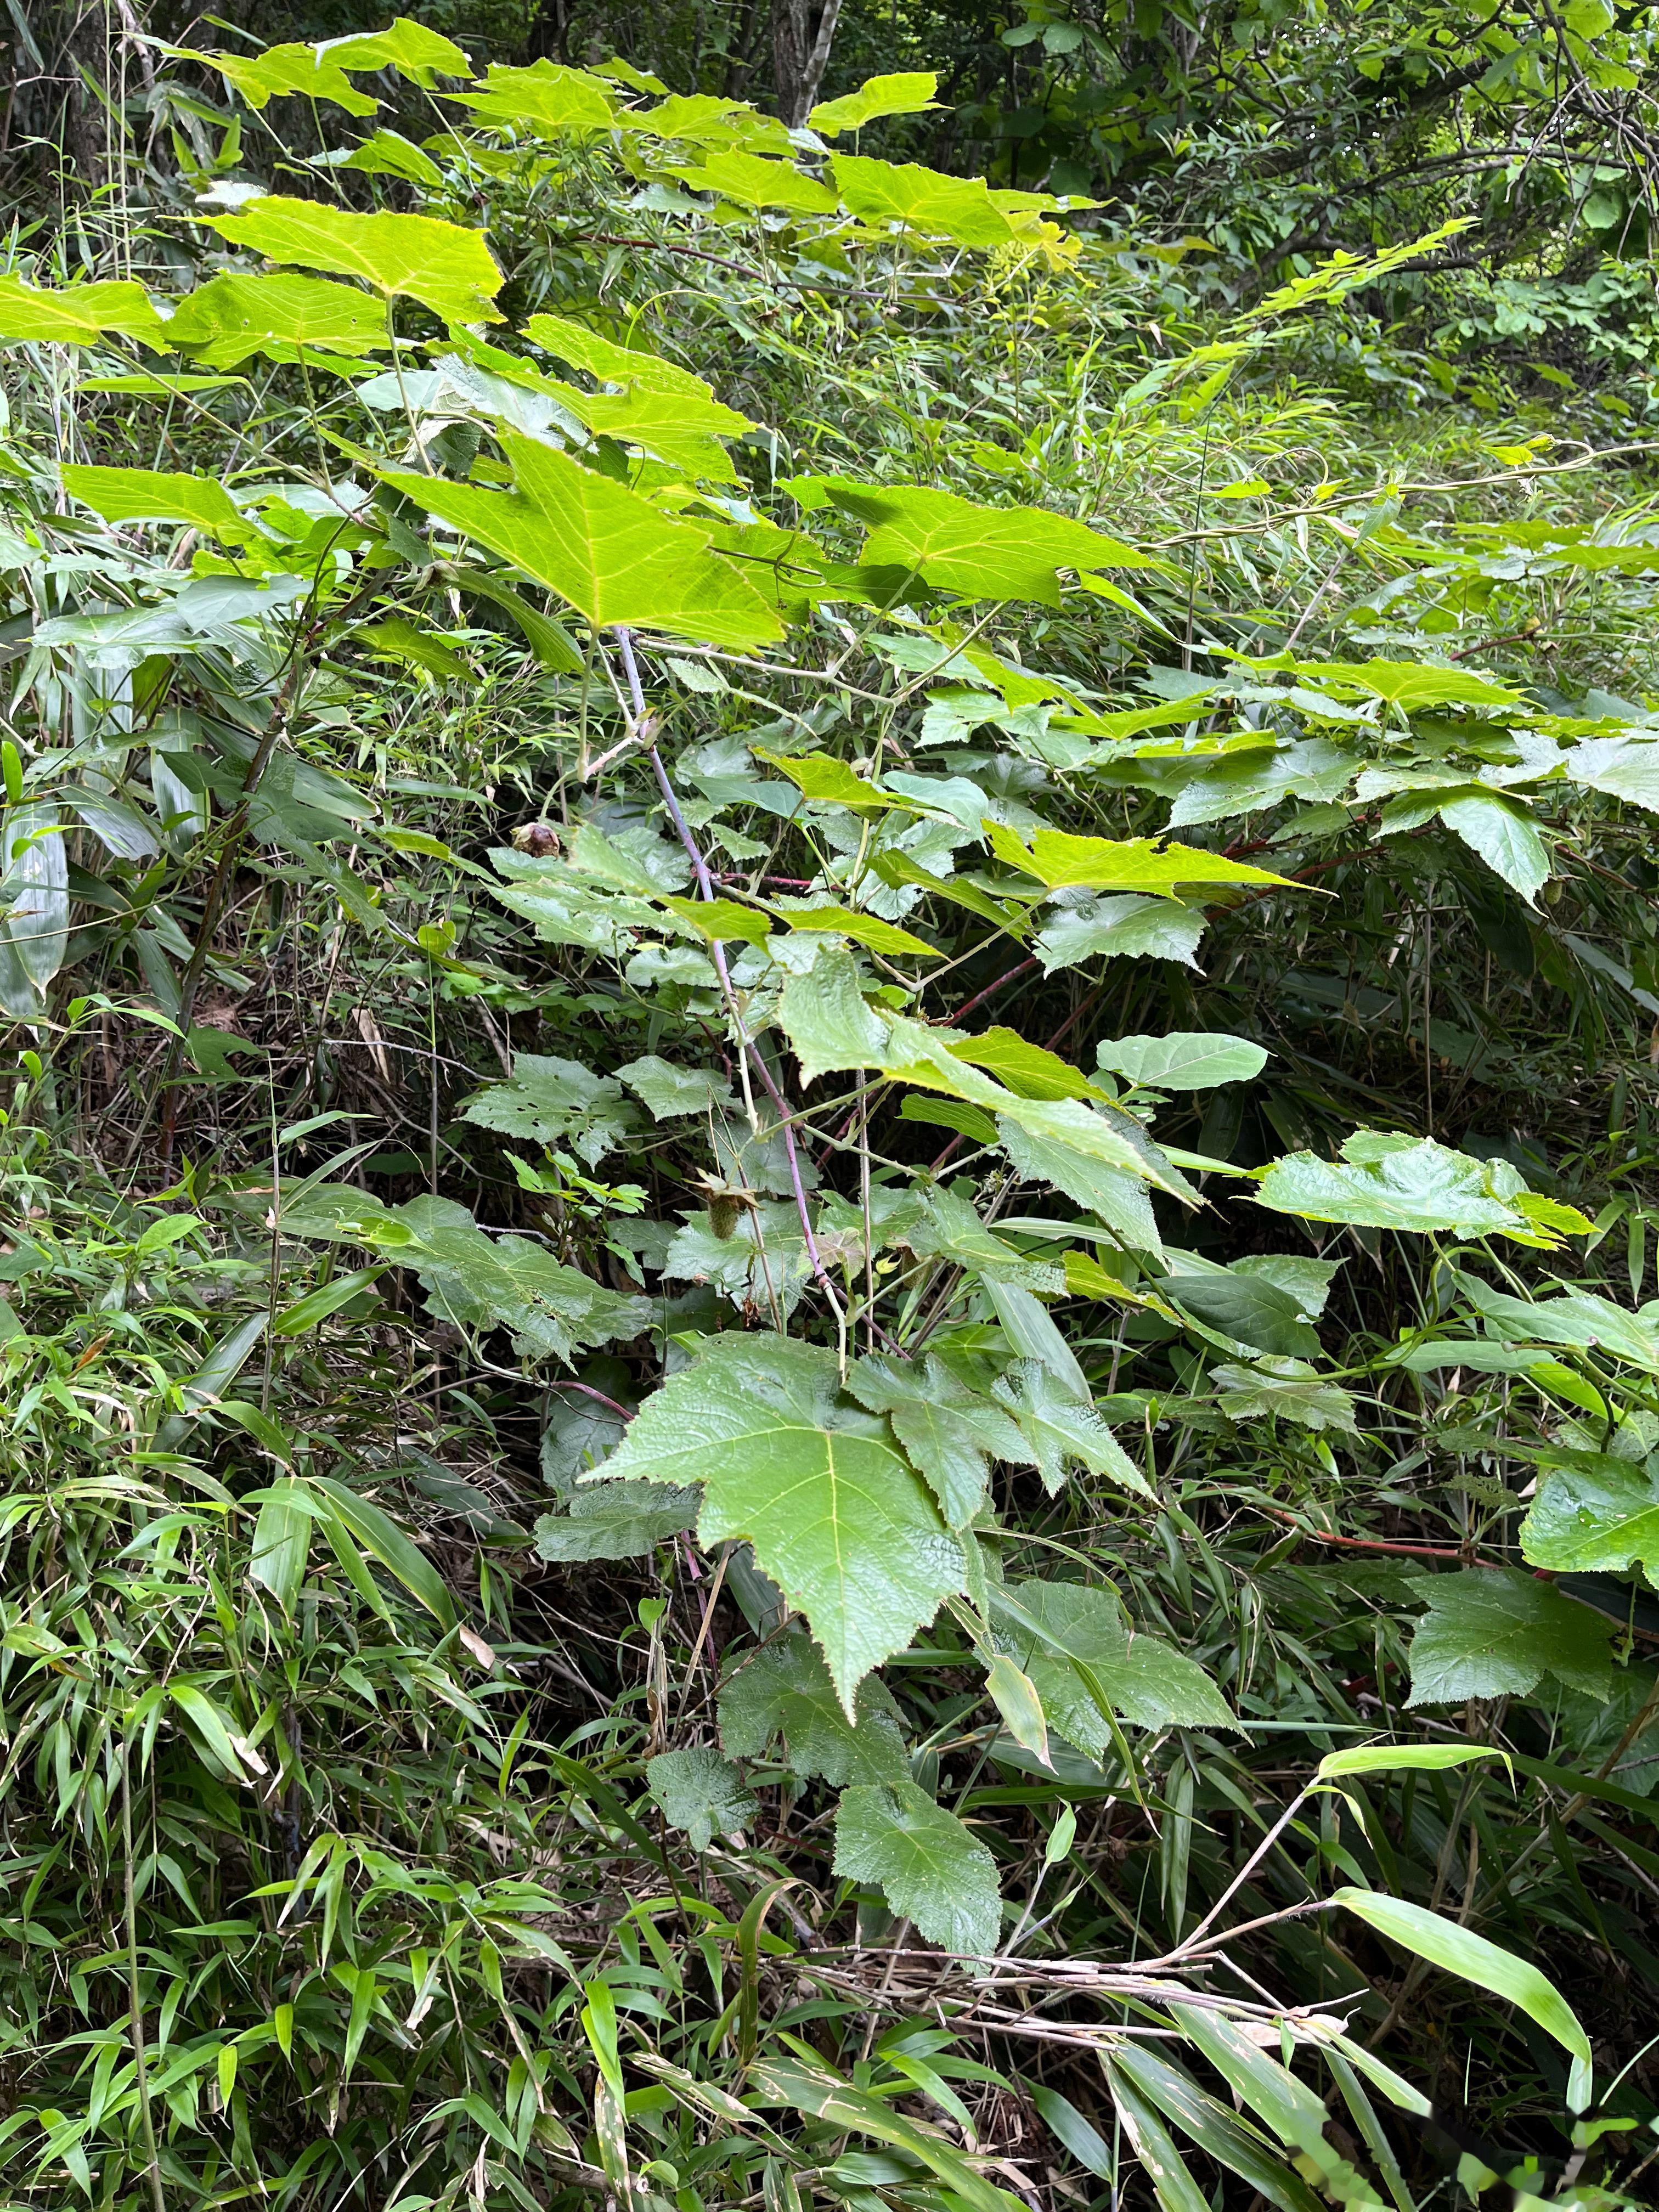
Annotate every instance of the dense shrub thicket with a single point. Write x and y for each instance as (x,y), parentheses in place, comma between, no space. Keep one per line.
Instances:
(832,988)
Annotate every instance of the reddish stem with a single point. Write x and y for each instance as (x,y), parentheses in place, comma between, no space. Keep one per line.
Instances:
(991,989)
(588,1391)
(1378,1544)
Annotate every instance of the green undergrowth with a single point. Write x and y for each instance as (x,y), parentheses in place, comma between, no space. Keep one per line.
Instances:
(829,1367)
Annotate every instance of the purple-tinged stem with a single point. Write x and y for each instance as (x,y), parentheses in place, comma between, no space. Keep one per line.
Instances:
(706,889)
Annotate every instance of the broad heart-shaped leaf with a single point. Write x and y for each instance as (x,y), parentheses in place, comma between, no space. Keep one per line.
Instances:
(1460,1951)
(555,1102)
(1311,767)
(829,782)
(827,1019)
(701,1792)
(77,314)
(481,1282)
(1423,1187)
(957,208)
(565,911)
(544,98)
(1600,1523)
(318,72)
(414,49)
(1063,1634)
(233,316)
(1626,767)
(610,362)
(1277,1389)
(152,495)
(721,920)
(947,1227)
(1489,1635)
(672,426)
(1062,862)
(623,1521)
(1185,1060)
(579,1430)
(636,860)
(1405,683)
(824,918)
(301,70)
(443,266)
(699,118)
(836,1517)
(1247,1308)
(1505,837)
(764,1246)
(930,1866)
(1102,1132)
(389,154)
(783,1689)
(915,1053)
(949,1431)
(607,552)
(907,92)
(1578,1321)
(670,1091)
(983,552)
(1128,927)
(1058,1429)
(755,182)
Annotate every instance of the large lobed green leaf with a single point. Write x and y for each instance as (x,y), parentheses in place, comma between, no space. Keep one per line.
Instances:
(76,314)
(323,71)
(837,1517)
(1090,1668)
(701,1792)
(907,92)
(1424,1187)
(1060,861)
(932,1868)
(1601,1522)
(445,268)
(783,1689)
(605,551)
(981,552)
(1492,1634)
(234,315)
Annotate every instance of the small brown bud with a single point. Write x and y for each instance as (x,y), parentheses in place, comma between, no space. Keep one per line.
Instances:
(539,839)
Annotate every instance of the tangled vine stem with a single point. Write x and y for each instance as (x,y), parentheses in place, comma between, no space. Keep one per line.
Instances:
(756,1058)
